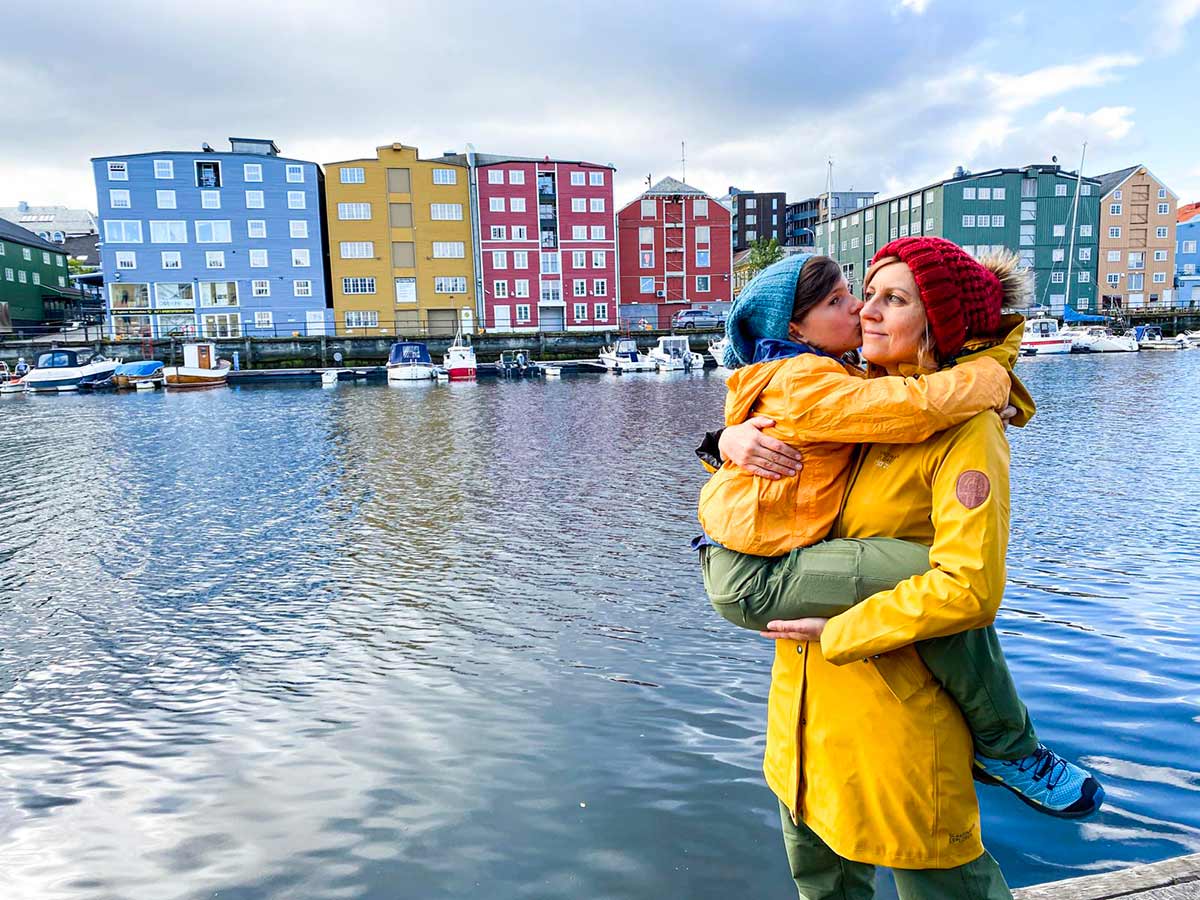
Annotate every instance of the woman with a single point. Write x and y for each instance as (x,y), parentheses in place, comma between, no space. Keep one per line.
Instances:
(870,759)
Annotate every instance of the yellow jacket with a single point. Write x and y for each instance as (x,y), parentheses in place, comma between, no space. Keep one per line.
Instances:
(824,409)
(862,743)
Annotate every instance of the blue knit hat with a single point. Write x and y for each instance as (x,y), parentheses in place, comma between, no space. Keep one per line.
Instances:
(763,309)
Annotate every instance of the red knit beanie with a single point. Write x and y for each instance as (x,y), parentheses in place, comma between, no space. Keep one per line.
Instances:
(962,299)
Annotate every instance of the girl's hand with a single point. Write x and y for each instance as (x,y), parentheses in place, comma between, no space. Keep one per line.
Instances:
(748,448)
(1007,414)
(795,629)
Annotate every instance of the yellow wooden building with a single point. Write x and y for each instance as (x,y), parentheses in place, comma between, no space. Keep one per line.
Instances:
(400,245)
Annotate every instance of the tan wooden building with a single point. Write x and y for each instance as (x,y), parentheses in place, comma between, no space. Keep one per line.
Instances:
(1137,241)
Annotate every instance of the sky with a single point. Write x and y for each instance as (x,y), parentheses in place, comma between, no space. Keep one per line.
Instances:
(897,93)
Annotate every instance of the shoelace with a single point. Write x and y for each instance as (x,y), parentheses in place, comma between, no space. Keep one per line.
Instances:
(1045,764)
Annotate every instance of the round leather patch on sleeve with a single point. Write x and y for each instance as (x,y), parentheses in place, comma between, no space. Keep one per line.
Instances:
(972,488)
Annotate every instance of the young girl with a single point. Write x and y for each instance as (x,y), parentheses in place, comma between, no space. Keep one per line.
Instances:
(763,554)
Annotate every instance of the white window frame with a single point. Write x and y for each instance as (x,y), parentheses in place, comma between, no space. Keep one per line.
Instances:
(596,179)
(516,204)
(520,259)
(214,259)
(172,231)
(302,287)
(356,285)
(122,235)
(171,259)
(495,204)
(255,200)
(445,176)
(354,212)
(298,228)
(210,198)
(256,229)
(261,287)
(516,176)
(445,212)
(598,233)
(703,284)
(118,198)
(599,259)
(578,179)
(297,200)
(599,287)
(258,258)
(165,199)
(118,170)
(126,259)
(579,311)
(164,169)
(352,174)
(252,172)
(499,259)
(295,174)
(495,176)
(449,249)
(500,290)
(301,257)
(578,204)
(356,249)
(596,204)
(212,225)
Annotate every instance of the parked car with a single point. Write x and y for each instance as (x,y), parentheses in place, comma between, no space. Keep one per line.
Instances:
(697,318)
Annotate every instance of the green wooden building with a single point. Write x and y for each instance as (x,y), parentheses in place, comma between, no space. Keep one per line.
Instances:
(1029,210)
(34,284)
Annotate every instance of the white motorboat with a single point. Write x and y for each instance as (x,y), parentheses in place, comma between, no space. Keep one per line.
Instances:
(66,370)
(201,368)
(1193,338)
(716,349)
(624,356)
(459,361)
(1098,339)
(1150,337)
(550,371)
(1042,338)
(329,378)
(673,353)
(410,361)
(10,382)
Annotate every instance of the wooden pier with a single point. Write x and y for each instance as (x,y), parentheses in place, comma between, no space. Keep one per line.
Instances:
(1172,879)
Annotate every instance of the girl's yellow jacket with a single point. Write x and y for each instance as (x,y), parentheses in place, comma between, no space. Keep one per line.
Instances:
(862,743)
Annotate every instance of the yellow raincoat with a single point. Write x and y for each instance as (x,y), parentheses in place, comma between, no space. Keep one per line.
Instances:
(862,743)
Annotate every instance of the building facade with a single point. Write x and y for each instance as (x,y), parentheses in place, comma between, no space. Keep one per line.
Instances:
(800,220)
(55,224)
(674,254)
(1137,241)
(1028,210)
(400,244)
(546,243)
(756,216)
(1187,260)
(212,244)
(34,285)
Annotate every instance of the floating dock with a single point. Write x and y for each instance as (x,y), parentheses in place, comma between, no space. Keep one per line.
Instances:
(379,373)
(1172,879)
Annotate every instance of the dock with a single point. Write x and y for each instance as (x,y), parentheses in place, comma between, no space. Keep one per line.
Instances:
(312,375)
(1172,879)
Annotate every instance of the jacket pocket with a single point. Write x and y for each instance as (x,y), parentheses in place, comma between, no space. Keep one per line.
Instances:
(903,672)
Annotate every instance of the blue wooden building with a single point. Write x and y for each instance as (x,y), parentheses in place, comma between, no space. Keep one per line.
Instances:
(213,244)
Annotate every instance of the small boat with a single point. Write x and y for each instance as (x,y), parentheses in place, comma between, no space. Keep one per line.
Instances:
(201,368)
(1042,338)
(10,382)
(409,361)
(716,349)
(460,358)
(624,356)
(329,378)
(65,370)
(1192,337)
(148,372)
(550,371)
(1098,339)
(673,353)
(1150,337)
(517,363)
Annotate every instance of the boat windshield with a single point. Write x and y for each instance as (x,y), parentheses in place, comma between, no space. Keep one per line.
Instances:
(57,359)
(675,345)
(626,347)
(409,353)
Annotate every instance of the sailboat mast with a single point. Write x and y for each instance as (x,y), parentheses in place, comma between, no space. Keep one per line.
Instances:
(829,208)
(1074,216)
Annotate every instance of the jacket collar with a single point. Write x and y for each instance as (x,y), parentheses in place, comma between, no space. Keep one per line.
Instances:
(767,349)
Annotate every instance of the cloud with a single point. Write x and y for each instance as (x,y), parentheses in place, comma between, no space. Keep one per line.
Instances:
(916,6)
(1014,92)
(1173,17)
(1112,122)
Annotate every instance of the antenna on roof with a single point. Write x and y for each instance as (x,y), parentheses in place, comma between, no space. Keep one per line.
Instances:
(648,182)
(683,160)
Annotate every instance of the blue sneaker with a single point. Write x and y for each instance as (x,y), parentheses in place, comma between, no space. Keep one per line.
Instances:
(1045,781)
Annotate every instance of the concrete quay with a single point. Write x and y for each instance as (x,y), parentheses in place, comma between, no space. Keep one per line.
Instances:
(1171,879)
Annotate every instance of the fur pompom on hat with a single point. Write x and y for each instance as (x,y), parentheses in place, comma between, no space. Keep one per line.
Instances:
(963,297)
(763,309)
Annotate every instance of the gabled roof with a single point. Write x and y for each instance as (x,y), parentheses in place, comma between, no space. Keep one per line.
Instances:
(61,218)
(492,159)
(1113,180)
(19,235)
(669,187)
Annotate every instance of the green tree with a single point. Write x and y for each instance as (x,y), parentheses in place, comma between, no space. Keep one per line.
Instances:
(763,253)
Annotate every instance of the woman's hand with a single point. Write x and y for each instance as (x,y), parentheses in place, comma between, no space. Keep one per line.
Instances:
(748,448)
(795,629)
(1007,414)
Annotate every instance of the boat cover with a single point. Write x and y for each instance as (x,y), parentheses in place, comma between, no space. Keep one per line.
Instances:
(409,353)
(141,367)
(1070,316)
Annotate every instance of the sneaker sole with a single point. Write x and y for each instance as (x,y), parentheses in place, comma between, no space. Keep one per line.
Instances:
(984,777)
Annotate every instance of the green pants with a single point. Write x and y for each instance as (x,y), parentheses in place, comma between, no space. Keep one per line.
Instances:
(820,874)
(830,577)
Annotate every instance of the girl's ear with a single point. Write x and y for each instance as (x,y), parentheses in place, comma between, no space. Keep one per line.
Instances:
(794,332)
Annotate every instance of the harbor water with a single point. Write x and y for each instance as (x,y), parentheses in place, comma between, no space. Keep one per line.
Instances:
(443,641)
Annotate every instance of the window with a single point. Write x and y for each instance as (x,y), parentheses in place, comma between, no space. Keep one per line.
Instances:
(596,179)
(500,259)
(496,204)
(357,175)
(522,312)
(358,285)
(165,199)
(1114,255)
(702,283)
(983,221)
(256,228)
(1060,230)
(751,203)
(449,249)
(254,200)
(500,290)
(118,171)
(598,232)
(1060,190)
(519,233)
(1114,232)
(1058,255)
(1164,208)
(1085,254)
(928,227)
(455,284)
(361,318)
(579,232)
(295,174)
(301,287)
(598,259)
(753,220)
(297,228)
(521,287)
(499,232)
(1137,259)
(646,285)
(646,259)
(261,287)
(445,176)
(578,204)
(210,199)
(252,171)
(45,258)
(551,292)
(62,281)
(1085,277)
(1160,232)
(27,254)
(516,176)
(596,204)
(22,277)
(1056,277)
(998,193)
(495,176)
(968,194)
(357,249)
(704,259)
(580,311)
(869,215)
(579,287)
(164,168)
(1028,187)
(1160,255)
(168,232)
(1160,277)
(968,221)
(599,287)
(1187,247)
(516,204)
(702,234)
(579,259)
(171,259)
(1136,281)
(214,259)
(984,193)
(126,259)
(549,264)
(258,259)
(351,212)
(446,212)
(893,233)
(577,178)
(699,208)
(406,290)
(296,199)
(300,257)
(1162,193)
(121,231)
(118,199)
(1085,230)
(997,221)
(1114,278)
(1114,209)
(1116,195)
(520,259)
(209,231)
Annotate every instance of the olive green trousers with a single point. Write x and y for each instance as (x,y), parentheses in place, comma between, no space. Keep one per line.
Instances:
(820,874)
(830,577)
